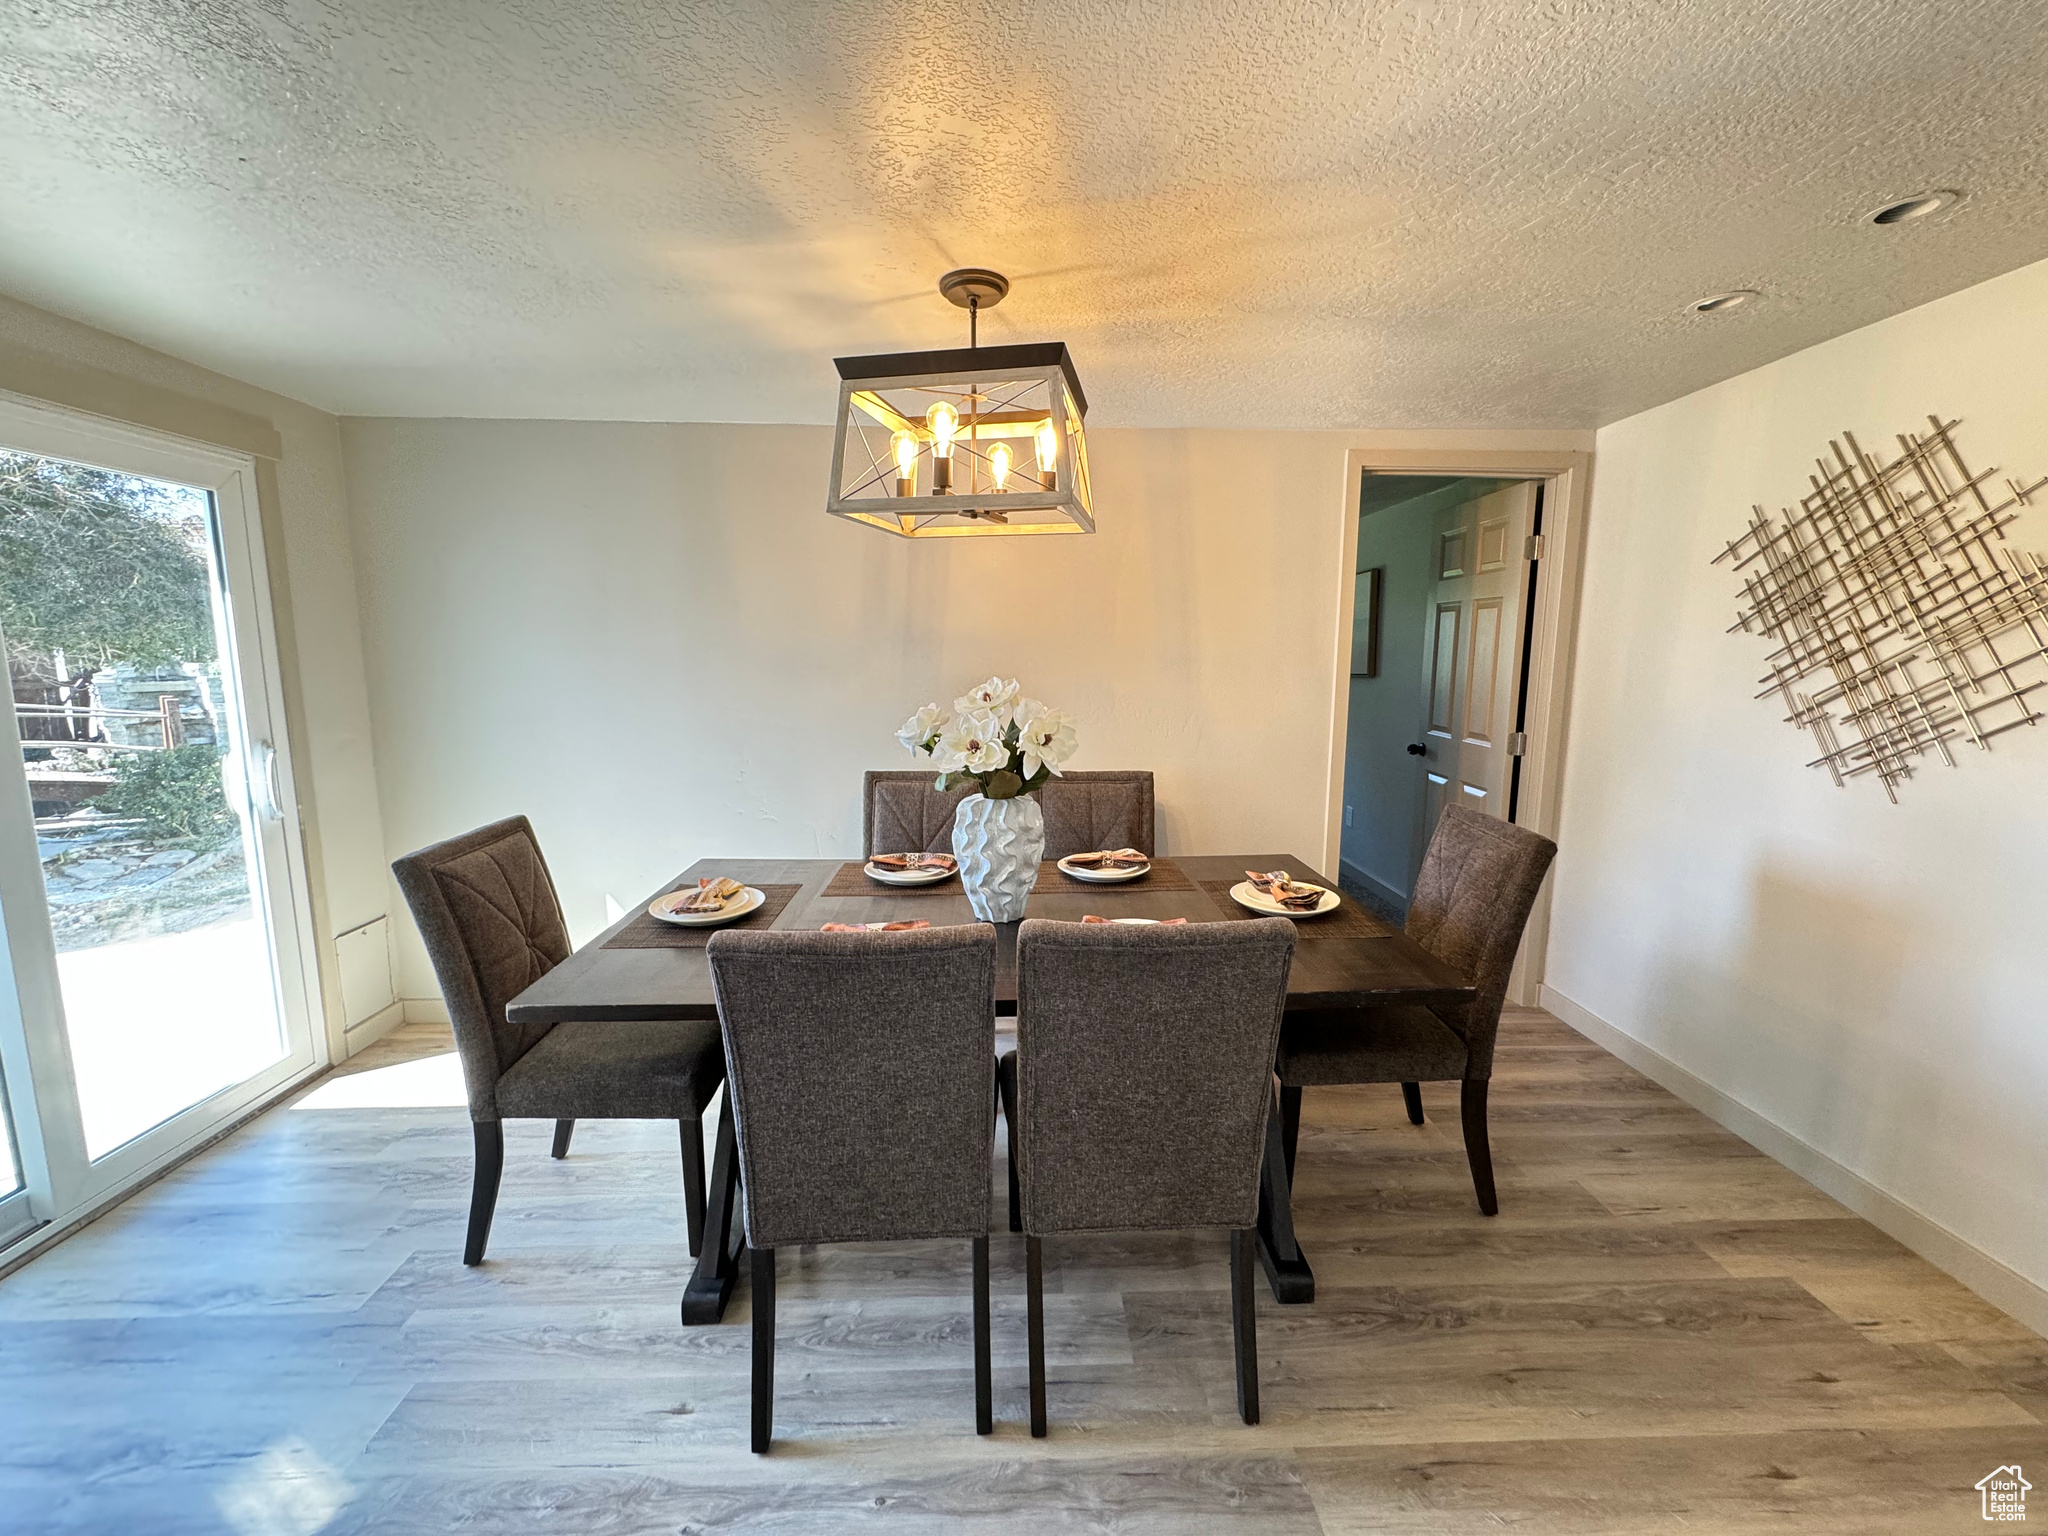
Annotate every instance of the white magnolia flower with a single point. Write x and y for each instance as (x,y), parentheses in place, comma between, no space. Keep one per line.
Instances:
(1044,735)
(971,742)
(916,732)
(994,697)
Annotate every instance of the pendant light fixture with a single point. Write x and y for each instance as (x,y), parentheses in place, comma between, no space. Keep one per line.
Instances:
(975,440)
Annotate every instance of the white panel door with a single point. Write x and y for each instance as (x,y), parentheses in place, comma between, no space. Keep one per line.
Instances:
(1472,660)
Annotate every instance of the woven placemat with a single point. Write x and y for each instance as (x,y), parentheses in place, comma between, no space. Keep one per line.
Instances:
(851,879)
(1350,921)
(646,932)
(1165,876)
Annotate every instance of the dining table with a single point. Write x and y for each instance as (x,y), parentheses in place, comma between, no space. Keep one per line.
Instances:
(642,969)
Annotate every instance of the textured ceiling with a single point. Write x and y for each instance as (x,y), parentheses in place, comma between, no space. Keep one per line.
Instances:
(1397,213)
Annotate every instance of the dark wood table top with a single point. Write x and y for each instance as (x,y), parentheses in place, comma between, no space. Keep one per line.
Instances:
(599,984)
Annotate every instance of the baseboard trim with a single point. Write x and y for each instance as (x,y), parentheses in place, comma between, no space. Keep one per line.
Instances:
(424,1010)
(1994,1280)
(1379,888)
(379,1024)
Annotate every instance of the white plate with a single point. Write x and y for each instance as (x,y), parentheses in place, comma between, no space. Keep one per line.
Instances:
(1245,894)
(663,908)
(1105,876)
(907,876)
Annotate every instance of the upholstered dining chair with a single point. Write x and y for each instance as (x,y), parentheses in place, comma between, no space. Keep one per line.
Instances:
(1089,809)
(1478,880)
(904,812)
(859,1068)
(1138,1093)
(486,907)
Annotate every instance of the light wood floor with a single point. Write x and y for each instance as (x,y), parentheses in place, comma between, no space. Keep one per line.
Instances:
(1663,1330)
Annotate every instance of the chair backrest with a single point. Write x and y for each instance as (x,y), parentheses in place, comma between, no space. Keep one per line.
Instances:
(1472,899)
(1144,1071)
(1097,809)
(862,1072)
(904,812)
(485,905)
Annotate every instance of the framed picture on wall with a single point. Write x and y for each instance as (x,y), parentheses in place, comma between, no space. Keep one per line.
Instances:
(1365,623)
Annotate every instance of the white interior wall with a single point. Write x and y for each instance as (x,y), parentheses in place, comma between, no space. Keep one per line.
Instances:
(1864,977)
(652,640)
(305,508)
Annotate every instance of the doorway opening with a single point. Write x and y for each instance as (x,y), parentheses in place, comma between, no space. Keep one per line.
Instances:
(1445,587)
(1555,481)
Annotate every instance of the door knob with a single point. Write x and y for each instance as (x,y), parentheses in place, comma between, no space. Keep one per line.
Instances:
(1417,749)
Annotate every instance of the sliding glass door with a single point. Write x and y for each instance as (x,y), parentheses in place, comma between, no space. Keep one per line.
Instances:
(15,1215)
(149,872)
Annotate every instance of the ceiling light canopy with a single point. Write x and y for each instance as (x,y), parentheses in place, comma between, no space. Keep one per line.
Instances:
(1919,206)
(975,440)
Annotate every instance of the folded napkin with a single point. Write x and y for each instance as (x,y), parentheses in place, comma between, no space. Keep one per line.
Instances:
(912,861)
(1164,922)
(872,927)
(711,895)
(1114,858)
(1280,887)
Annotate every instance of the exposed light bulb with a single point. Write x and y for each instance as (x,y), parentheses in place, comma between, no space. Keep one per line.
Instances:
(1048,444)
(944,422)
(999,465)
(906,462)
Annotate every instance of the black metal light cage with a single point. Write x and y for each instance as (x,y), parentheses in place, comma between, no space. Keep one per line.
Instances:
(1015,461)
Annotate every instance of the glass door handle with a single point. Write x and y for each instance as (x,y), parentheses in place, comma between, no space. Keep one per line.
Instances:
(267,781)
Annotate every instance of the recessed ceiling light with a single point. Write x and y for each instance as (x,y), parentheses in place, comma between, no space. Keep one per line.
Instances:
(1721,303)
(1918,206)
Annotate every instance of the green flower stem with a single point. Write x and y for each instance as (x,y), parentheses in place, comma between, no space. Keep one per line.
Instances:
(1004,783)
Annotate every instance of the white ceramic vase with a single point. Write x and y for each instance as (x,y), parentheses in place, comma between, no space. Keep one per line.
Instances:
(998,844)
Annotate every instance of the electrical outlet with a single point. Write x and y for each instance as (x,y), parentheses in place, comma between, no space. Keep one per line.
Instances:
(1347,815)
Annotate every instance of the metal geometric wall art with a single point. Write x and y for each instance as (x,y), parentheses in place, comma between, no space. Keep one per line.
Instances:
(1904,624)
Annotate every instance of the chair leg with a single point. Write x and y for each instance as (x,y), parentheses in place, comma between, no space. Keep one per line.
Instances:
(1478,1152)
(1411,1095)
(564,1129)
(1006,1088)
(1290,1126)
(693,1182)
(1244,1324)
(764,1348)
(1034,1306)
(984,1390)
(483,1197)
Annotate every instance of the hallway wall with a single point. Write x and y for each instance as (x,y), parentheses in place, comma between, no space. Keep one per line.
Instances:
(1382,784)
(1862,976)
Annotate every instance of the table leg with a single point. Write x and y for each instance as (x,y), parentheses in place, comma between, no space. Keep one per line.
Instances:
(725,1235)
(1286,1266)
